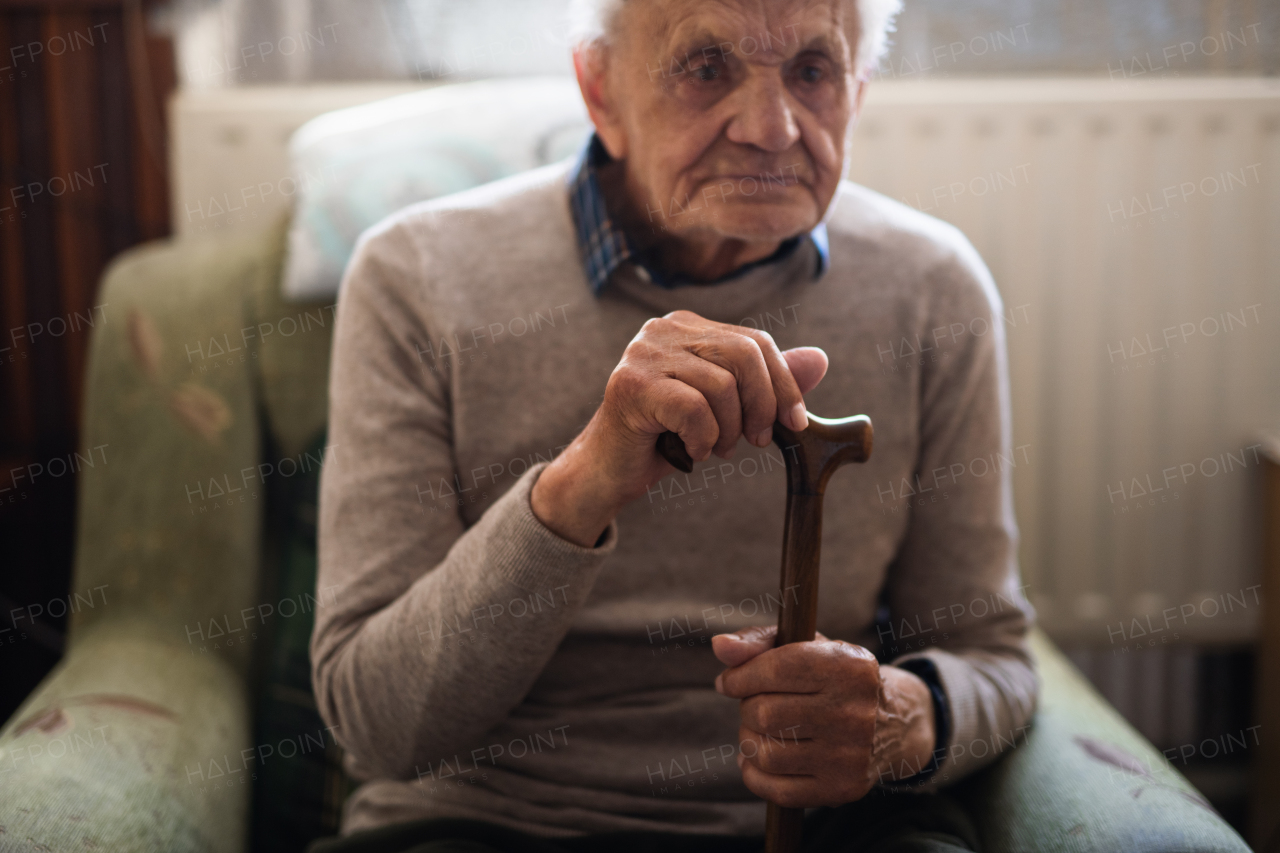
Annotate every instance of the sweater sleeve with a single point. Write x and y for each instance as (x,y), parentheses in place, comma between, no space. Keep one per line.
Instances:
(954,592)
(431,633)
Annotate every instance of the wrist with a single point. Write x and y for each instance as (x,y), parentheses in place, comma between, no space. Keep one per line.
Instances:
(915,704)
(914,675)
(570,501)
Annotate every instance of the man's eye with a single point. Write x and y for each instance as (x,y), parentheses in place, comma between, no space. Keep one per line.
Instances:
(707,73)
(811,74)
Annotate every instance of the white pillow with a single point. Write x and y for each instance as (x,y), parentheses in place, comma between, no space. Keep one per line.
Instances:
(356,166)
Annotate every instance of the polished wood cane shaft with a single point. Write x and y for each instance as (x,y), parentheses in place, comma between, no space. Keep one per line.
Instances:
(797,623)
(812,456)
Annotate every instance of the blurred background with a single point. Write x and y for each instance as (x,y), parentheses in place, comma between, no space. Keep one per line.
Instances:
(1115,163)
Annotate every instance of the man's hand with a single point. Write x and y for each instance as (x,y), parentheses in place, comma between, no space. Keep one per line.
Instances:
(822,721)
(711,383)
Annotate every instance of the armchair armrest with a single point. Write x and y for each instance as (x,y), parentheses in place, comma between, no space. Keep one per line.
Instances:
(132,743)
(1083,780)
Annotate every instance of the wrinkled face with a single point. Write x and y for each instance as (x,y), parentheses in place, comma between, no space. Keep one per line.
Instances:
(732,116)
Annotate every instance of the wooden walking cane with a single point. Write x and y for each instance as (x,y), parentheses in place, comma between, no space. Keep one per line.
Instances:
(812,456)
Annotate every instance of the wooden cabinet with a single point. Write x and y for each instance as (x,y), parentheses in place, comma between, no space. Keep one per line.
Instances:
(83,175)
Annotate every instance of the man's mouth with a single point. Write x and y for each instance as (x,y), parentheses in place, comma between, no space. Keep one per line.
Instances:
(763,180)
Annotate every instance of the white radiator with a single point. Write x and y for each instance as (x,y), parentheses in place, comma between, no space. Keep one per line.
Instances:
(1134,232)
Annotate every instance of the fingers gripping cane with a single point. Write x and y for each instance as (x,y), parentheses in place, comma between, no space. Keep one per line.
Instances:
(812,456)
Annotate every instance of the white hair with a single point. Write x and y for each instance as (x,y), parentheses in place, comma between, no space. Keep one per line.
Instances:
(593,21)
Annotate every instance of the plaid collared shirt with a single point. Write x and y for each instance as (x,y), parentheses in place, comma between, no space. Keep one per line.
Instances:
(604,246)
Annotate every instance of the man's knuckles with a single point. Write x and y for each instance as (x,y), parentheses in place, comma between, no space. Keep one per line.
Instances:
(784,749)
(681,315)
(856,723)
(794,795)
(829,658)
(847,790)
(857,668)
(799,792)
(627,382)
(762,339)
(807,667)
(784,760)
(723,386)
(765,714)
(764,673)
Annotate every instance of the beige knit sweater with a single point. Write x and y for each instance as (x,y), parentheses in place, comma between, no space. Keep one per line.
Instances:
(474,664)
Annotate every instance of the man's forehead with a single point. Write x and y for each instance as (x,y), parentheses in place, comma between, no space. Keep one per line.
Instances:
(777,25)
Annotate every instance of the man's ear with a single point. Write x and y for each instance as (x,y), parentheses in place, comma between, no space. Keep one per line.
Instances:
(591,65)
(857,99)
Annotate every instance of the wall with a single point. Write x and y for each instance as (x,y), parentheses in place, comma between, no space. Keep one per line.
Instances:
(246,42)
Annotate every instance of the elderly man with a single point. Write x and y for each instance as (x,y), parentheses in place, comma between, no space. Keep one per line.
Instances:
(544,638)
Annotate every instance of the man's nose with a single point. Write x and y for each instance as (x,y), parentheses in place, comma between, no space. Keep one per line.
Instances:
(764,115)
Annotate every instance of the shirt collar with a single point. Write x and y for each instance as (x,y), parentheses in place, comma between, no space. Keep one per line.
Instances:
(604,246)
